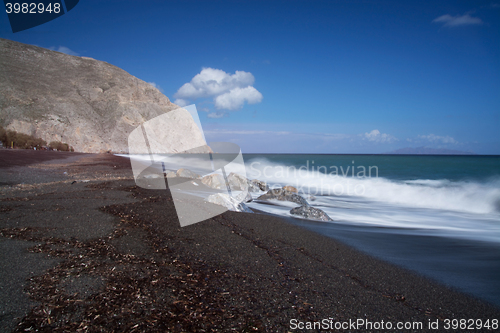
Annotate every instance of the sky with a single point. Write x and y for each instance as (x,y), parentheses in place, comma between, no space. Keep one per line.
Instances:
(305,76)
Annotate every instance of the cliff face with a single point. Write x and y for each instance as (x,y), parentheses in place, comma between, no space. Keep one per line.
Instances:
(89,104)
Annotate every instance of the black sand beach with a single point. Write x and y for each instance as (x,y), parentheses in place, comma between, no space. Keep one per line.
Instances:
(84,249)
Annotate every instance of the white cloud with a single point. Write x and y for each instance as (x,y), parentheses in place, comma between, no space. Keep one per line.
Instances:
(376,136)
(230,91)
(334,137)
(235,98)
(326,137)
(437,138)
(216,115)
(156,86)
(181,102)
(455,21)
(63,49)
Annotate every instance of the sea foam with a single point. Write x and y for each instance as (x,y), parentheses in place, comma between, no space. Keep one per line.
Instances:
(463,196)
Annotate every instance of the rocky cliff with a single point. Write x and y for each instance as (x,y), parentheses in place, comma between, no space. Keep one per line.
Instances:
(89,104)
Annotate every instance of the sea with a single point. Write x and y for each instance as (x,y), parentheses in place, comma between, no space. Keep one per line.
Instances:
(436,215)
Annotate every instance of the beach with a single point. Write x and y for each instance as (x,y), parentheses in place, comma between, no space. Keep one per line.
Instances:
(84,249)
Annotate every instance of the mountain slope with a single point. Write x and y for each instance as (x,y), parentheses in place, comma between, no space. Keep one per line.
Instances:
(89,104)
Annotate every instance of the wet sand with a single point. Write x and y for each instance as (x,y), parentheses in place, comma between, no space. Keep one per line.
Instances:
(84,249)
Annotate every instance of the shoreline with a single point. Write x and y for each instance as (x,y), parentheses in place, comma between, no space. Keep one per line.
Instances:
(465,266)
(104,254)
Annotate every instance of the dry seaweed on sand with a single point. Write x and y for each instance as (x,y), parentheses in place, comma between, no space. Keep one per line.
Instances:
(241,272)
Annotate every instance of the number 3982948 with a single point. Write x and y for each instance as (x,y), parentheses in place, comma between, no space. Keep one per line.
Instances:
(32,8)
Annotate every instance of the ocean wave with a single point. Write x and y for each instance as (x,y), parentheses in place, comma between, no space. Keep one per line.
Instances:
(463,196)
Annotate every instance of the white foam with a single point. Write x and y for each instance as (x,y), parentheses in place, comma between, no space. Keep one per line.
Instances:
(473,197)
(467,210)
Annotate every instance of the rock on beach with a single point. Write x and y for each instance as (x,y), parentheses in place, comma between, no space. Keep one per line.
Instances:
(240,183)
(309,212)
(237,182)
(171,174)
(283,195)
(215,181)
(223,199)
(290,189)
(259,185)
(187,174)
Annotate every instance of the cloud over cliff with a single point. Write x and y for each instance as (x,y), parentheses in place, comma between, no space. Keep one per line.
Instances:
(229,91)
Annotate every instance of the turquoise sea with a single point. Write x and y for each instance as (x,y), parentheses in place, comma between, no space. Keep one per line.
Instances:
(436,215)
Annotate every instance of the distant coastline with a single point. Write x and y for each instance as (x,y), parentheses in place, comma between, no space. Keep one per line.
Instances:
(396,152)
(429,151)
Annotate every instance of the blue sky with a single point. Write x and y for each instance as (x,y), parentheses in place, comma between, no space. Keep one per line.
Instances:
(306,76)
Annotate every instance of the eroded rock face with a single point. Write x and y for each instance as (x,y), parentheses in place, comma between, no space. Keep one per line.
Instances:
(309,212)
(89,104)
(222,199)
(284,195)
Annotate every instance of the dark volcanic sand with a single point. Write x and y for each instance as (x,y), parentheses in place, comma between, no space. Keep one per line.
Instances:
(107,256)
(21,157)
